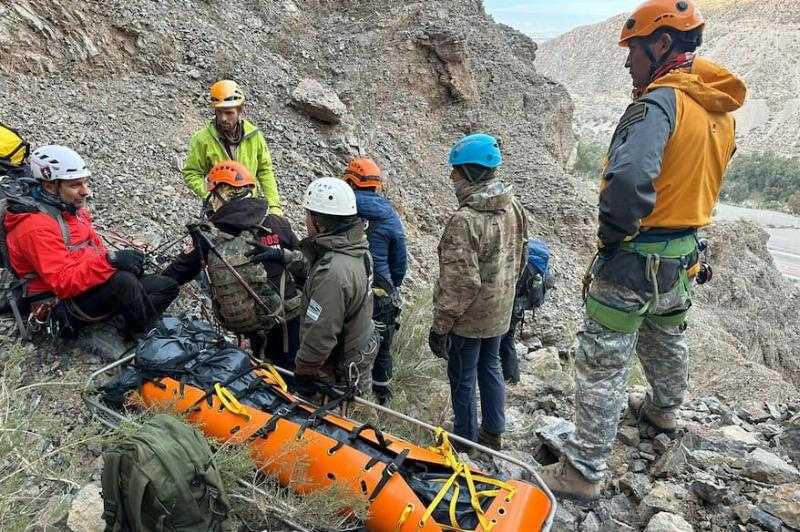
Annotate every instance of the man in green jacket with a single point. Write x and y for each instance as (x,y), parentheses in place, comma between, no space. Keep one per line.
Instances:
(337,336)
(230,137)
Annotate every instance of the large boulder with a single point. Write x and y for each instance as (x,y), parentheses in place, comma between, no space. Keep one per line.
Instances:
(318,102)
(783,502)
(667,522)
(765,466)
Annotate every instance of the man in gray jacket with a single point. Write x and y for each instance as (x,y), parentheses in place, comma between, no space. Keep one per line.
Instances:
(337,336)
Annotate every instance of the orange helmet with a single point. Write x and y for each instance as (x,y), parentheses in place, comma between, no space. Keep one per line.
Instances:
(680,15)
(231,173)
(363,173)
(226,93)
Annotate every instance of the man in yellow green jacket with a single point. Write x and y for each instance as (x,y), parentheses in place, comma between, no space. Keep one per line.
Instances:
(230,137)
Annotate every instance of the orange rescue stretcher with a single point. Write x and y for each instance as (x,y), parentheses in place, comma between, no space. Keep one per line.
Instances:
(330,447)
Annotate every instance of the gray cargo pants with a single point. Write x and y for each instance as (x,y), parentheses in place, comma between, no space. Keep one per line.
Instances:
(602,367)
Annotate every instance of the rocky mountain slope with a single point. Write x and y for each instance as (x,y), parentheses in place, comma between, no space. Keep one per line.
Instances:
(124,82)
(756,40)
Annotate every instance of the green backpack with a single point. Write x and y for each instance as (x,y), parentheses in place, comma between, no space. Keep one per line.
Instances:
(163,478)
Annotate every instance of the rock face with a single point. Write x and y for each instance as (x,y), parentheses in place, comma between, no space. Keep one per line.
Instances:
(86,513)
(318,102)
(601,87)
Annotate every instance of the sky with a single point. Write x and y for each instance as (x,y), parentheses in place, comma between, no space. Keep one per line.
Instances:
(545,19)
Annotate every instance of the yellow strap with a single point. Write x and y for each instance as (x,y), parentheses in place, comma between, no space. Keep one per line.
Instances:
(462,470)
(268,370)
(439,496)
(230,402)
(454,504)
(404,517)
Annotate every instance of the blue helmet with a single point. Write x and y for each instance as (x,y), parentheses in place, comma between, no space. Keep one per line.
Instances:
(480,149)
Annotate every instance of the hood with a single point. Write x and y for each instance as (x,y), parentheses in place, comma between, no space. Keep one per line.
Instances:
(490,196)
(238,215)
(352,241)
(709,84)
(372,206)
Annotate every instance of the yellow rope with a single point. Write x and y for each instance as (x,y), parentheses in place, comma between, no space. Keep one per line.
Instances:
(230,402)
(462,470)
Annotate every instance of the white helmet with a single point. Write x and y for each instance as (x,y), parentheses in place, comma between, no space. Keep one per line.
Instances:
(329,195)
(52,163)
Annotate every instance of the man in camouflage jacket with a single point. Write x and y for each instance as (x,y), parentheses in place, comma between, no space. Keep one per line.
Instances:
(481,256)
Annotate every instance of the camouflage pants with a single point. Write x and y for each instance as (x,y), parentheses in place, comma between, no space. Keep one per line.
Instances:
(603,364)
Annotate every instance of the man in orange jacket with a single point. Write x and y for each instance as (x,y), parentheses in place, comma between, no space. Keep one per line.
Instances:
(661,182)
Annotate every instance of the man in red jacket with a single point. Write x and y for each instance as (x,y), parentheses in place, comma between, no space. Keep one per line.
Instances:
(54,246)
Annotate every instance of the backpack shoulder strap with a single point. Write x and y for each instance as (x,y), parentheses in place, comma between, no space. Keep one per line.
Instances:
(54,213)
(113,506)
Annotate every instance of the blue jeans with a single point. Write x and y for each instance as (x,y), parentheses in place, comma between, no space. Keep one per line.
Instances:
(471,360)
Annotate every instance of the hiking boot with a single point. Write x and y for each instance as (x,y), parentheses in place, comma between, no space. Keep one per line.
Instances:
(102,340)
(459,447)
(490,440)
(564,480)
(642,410)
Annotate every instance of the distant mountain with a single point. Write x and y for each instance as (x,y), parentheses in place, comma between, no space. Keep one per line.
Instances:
(757,40)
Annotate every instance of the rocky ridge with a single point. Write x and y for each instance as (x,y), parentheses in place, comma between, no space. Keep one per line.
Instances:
(752,39)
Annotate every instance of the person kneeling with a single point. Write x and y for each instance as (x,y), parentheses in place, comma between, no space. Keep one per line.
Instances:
(261,303)
(53,246)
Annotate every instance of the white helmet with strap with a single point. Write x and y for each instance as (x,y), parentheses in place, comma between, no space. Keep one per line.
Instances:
(54,163)
(332,196)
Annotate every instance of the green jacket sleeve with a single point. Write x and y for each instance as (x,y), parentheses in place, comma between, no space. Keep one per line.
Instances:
(266,177)
(459,274)
(322,323)
(194,171)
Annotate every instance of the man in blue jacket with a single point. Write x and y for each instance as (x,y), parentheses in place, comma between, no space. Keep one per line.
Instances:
(387,244)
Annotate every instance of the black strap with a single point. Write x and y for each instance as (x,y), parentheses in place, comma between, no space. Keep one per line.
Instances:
(356,432)
(272,423)
(388,472)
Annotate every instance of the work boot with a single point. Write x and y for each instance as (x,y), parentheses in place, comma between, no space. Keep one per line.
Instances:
(490,440)
(459,447)
(643,410)
(564,480)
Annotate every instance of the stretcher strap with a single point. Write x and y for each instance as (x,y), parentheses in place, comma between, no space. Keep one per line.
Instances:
(388,472)
(269,371)
(461,470)
(230,402)
(356,432)
(270,425)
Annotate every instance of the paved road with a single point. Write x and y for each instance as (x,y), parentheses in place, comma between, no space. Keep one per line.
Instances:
(784,230)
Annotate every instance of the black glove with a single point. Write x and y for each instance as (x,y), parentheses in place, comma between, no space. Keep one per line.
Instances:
(129,260)
(439,344)
(263,253)
(305,385)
